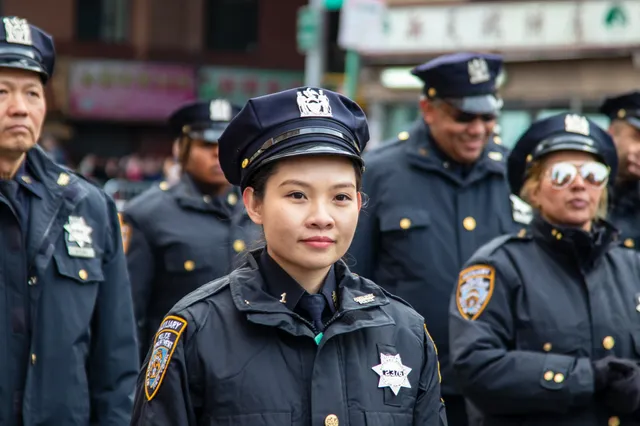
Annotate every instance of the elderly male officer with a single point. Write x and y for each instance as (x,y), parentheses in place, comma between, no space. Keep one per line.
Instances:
(436,195)
(181,237)
(624,111)
(66,319)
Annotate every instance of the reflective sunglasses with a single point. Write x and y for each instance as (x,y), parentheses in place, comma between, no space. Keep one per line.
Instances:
(563,174)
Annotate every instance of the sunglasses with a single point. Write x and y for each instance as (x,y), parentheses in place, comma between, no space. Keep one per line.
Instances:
(563,174)
(467,117)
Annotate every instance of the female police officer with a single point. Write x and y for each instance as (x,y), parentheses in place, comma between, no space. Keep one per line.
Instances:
(292,337)
(544,325)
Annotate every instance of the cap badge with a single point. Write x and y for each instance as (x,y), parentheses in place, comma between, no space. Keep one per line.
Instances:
(314,103)
(220,110)
(478,71)
(575,123)
(17,31)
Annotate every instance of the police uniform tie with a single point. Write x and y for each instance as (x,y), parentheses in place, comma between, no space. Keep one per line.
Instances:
(314,305)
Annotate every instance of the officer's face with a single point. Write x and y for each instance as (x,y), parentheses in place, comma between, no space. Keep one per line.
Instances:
(575,204)
(627,140)
(309,212)
(22,110)
(203,163)
(459,136)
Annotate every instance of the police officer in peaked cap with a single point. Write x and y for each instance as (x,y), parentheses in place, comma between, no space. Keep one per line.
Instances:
(69,352)
(292,336)
(624,112)
(180,237)
(437,193)
(544,322)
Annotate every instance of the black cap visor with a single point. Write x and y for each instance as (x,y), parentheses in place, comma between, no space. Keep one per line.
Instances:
(483,104)
(23,58)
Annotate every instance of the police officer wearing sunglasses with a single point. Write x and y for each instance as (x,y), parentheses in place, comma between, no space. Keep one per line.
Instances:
(180,237)
(437,194)
(544,324)
(624,112)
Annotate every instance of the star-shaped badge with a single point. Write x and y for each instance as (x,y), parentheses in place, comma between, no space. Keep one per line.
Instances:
(392,373)
(78,231)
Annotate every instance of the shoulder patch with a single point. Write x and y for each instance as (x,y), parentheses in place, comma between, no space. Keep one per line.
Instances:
(125,232)
(475,288)
(520,210)
(164,345)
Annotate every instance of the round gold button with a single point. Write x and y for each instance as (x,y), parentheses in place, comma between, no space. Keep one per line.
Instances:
(614,421)
(83,274)
(245,163)
(608,343)
(497,140)
(163,186)
(405,223)
(558,378)
(189,265)
(548,376)
(629,243)
(529,158)
(431,92)
(232,199)
(33,358)
(403,136)
(547,347)
(469,223)
(622,113)
(238,246)
(331,420)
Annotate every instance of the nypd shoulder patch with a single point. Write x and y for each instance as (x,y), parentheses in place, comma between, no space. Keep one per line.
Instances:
(475,288)
(164,346)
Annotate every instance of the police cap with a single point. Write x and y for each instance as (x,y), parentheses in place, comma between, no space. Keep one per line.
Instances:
(296,122)
(203,121)
(25,46)
(625,107)
(465,80)
(562,132)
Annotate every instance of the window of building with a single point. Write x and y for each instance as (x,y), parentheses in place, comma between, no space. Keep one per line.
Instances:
(103,20)
(231,25)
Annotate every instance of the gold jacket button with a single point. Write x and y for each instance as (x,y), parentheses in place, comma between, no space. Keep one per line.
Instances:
(189,265)
(548,376)
(232,199)
(614,421)
(33,359)
(547,347)
(238,246)
(163,186)
(629,243)
(405,223)
(558,378)
(331,420)
(83,274)
(469,223)
(608,343)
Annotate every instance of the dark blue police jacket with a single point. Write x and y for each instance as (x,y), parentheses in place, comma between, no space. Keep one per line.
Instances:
(66,318)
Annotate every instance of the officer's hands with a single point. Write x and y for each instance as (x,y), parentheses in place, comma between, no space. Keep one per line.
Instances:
(617,382)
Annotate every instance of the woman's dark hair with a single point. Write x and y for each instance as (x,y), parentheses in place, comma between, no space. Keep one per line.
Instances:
(259,180)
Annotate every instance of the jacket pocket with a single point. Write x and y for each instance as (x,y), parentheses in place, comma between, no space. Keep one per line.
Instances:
(80,270)
(404,236)
(185,260)
(388,419)
(258,419)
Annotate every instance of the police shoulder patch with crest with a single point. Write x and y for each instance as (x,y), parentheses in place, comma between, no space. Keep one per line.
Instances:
(164,345)
(475,288)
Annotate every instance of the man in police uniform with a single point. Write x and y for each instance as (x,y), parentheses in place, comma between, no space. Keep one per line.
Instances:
(181,237)
(437,194)
(624,111)
(66,317)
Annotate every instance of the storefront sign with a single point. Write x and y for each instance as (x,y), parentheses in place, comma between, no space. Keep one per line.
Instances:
(240,84)
(517,26)
(128,91)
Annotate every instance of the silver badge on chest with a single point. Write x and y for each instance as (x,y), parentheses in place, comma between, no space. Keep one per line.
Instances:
(78,238)
(393,374)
